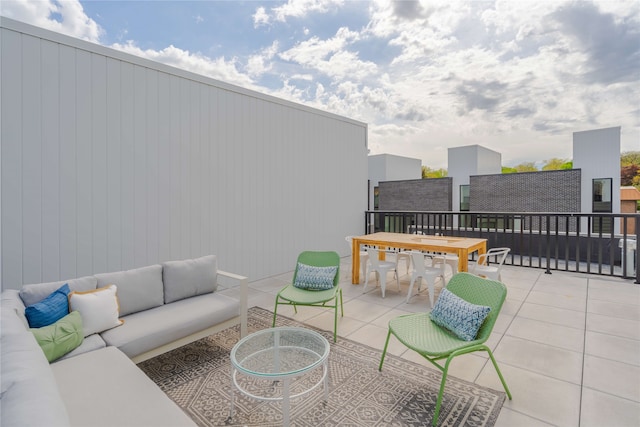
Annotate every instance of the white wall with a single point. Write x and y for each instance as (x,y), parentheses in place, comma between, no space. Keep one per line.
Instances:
(111,162)
(469,160)
(597,154)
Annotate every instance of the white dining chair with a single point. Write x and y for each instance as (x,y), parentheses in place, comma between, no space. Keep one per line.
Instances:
(364,256)
(451,260)
(491,271)
(381,268)
(422,271)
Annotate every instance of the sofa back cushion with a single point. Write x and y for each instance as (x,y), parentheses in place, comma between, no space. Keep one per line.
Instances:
(32,294)
(139,289)
(188,278)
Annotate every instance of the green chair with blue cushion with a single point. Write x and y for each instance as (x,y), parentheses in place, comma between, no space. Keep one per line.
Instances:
(315,283)
(460,323)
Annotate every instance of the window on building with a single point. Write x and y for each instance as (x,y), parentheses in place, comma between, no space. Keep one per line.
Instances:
(464,197)
(602,203)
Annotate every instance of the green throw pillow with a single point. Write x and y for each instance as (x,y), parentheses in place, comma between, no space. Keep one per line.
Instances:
(61,337)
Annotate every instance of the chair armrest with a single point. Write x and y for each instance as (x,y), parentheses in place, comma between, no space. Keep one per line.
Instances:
(232,280)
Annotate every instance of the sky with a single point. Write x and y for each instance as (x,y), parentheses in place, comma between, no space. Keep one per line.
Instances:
(517,77)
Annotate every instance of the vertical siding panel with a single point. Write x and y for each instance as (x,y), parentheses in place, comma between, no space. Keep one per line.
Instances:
(84,155)
(128,166)
(195,181)
(139,166)
(222,201)
(50,74)
(99,163)
(68,172)
(11,158)
(31,161)
(176,202)
(185,199)
(216,177)
(152,166)
(114,166)
(205,168)
(164,167)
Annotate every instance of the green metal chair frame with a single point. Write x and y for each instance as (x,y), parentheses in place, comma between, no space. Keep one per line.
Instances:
(420,334)
(290,295)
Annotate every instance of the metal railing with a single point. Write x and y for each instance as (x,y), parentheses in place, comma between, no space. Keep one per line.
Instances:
(602,244)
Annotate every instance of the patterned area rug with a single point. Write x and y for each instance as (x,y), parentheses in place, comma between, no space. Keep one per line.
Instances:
(198,378)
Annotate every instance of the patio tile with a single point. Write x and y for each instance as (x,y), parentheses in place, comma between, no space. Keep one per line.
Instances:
(602,409)
(544,359)
(623,311)
(383,321)
(612,377)
(503,322)
(538,396)
(615,348)
(371,335)
(510,306)
(621,295)
(555,299)
(363,310)
(511,418)
(613,326)
(558,316)
(577,289)
(547,333)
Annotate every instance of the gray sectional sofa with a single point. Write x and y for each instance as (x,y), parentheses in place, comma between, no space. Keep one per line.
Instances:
(98,384)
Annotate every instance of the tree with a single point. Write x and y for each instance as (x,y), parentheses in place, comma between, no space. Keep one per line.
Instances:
(427,172)
(526,167)
(507,169)
(630,158)
(628,173)
(554,164)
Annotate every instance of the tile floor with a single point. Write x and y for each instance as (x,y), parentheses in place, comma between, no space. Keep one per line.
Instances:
(568,344)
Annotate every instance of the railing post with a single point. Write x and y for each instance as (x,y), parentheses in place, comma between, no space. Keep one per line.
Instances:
(637,250)
(548,271)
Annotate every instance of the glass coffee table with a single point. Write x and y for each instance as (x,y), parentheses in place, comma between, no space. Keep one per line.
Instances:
(265,363)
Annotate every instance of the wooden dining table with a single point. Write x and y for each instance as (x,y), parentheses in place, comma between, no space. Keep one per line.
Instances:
(461,246)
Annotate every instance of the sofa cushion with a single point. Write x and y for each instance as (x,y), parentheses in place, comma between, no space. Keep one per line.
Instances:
(90,343)
(105,388)
(150,329)
(138,289)
(12,319)
(98,308)
(188,278)
(49,310)
(30,395)
(61,337)
(32,294)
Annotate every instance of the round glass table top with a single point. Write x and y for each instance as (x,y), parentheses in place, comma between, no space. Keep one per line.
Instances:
(279,352)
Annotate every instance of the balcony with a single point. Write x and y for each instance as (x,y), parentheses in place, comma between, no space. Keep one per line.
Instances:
(567,343)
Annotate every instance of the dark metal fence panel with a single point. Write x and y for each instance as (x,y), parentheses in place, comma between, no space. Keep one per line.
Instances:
(579,242)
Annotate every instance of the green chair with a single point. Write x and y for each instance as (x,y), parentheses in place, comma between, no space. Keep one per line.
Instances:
(295,296)
(419,333)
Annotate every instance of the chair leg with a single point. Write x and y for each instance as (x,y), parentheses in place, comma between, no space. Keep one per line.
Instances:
(335,320)
(495,365)
(275,311)
(445,371)
(384,351)
(413,279)
(431,284)
(383,282)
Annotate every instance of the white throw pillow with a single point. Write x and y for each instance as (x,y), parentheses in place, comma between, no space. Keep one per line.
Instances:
(99,309)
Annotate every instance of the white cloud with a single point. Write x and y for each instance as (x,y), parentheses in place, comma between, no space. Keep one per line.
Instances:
(218,68)
(260,18)
(300,8)
(66,17)
(260,63)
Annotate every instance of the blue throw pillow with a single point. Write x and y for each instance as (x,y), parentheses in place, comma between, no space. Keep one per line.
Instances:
(460,317)
(315,278)
(49,310)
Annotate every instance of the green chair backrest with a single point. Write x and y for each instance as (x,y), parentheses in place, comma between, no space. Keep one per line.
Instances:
(320,259)
(480,291)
